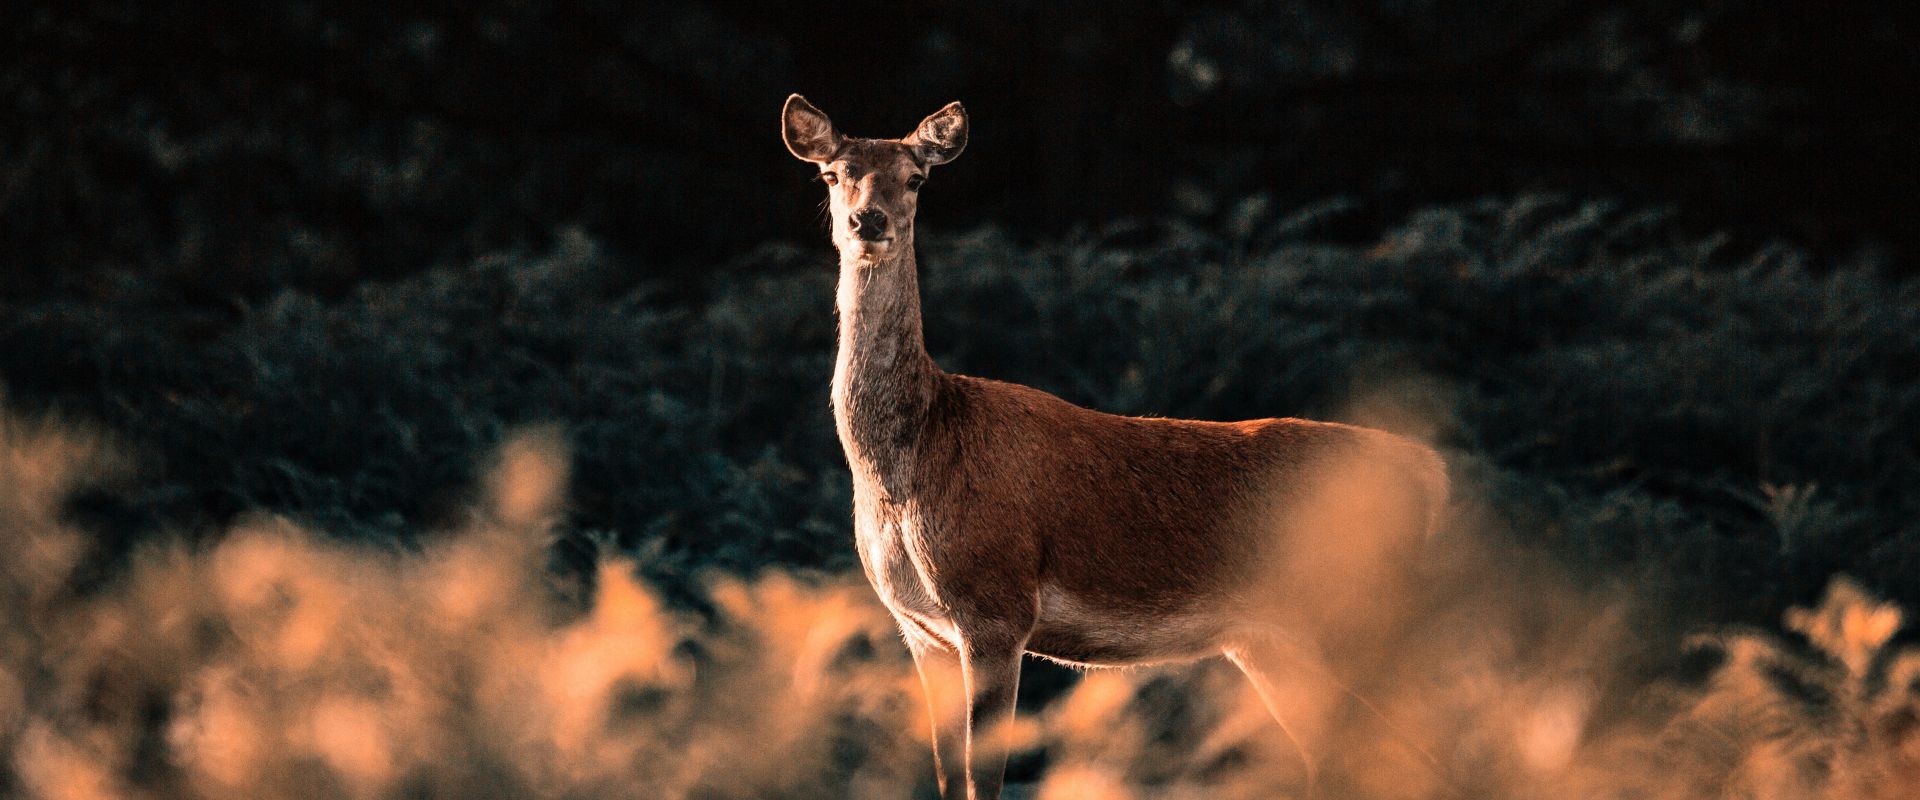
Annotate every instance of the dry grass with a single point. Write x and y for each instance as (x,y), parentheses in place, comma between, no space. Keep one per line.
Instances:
(278,664)
(274,663)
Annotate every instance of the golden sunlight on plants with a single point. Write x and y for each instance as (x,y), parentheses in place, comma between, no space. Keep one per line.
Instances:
(273,662)
(1837,718)
(277,663)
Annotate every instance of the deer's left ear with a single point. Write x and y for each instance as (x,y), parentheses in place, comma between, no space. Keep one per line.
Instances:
(940,137)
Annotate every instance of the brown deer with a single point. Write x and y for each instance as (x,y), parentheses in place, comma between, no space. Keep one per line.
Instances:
(996,520)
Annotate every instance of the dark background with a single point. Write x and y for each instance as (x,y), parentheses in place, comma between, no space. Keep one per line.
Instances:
(232,149)
(1647,265)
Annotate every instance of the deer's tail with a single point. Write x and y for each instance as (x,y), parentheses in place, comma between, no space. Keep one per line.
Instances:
(1436,488)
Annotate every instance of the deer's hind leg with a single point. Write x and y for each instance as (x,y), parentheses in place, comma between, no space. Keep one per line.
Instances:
(1298,690)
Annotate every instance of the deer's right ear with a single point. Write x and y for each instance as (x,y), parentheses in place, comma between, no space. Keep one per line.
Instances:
(810,135)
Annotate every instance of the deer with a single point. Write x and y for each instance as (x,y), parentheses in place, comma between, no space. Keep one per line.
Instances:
(997,521)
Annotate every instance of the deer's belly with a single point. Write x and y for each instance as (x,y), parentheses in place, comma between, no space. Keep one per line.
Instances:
(1075,631)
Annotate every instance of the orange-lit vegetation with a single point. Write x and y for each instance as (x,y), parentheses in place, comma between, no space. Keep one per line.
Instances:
(270,662)
(277,664)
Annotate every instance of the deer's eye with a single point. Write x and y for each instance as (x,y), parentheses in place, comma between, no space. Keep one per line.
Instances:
(913,183)
(830,177)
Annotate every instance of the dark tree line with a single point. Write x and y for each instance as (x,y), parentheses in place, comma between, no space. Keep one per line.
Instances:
(207,151)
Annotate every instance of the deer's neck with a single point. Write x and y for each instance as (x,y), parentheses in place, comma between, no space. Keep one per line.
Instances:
(883,379)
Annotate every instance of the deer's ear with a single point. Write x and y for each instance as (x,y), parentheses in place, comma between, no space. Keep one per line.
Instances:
(810,135)
(941,137)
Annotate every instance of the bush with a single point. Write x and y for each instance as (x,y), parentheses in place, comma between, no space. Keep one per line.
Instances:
(1740,426)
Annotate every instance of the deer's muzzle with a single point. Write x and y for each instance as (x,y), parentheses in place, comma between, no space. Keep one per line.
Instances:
(870,225)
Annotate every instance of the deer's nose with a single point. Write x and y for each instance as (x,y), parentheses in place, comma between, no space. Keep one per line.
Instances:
(870,225)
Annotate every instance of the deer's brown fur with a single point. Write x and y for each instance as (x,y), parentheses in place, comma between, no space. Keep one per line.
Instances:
(996,520)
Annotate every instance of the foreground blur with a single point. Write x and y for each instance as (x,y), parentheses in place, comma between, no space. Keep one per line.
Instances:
(274,663)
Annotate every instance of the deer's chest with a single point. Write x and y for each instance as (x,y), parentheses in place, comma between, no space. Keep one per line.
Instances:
(894,553)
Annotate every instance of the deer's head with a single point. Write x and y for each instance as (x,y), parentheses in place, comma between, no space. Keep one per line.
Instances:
(873,185)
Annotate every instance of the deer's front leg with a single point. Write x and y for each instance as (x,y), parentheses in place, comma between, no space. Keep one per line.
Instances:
(991,666)
(940,678)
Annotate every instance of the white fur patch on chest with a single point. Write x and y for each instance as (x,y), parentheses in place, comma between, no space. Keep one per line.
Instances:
(891,563)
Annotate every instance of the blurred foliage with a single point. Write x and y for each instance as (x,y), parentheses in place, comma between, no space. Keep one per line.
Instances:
(273,662)
(1736,427)
(234,148)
